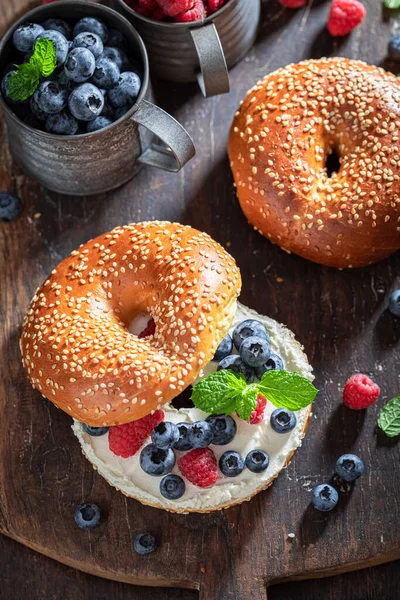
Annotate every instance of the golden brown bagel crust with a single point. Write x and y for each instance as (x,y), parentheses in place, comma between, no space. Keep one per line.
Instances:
(75,344)
(278,145)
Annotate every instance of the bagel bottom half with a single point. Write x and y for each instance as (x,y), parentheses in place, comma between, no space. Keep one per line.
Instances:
(126,475)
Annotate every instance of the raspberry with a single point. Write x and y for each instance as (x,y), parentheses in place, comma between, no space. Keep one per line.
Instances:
(173,7)
(293,3)
(214,5)
(148,6)
(150,330)
(199,466)
(360,392)
(197,13)
(257,414)
(125,440)
(344,16)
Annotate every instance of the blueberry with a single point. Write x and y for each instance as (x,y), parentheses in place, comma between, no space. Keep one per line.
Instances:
(58,25)
(224,348)
(257,461)
(80,65)
(255,351)
(60,42)
(283,420)
(394,303)
(62,123)
(127,89)
(10,206)
(98,123)
(183,443)
(116,55)
(248,328)
(274,363)
(50,97)
(4,88)
(86,102)
(223,427)
(106,73)
(231,463)
(349,467)
(64,81)
(108,110)
(235,363)
(87,516)
(120,112)
(115,38)
(91,25)
(324,497)
(94,431)
(145,543)
(172,487)
(24,37)
(394,47)
(155,461)
(165,435)
(90,41)
(37,111)
(200,434)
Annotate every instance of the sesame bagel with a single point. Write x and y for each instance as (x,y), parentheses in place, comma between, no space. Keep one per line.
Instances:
(280,140)
(76,345)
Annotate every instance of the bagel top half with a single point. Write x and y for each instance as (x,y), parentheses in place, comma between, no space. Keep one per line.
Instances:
(75,342)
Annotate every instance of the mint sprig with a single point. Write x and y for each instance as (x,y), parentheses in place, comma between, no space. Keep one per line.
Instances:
(225,392)
(391,3)
(25,80)
(389,418)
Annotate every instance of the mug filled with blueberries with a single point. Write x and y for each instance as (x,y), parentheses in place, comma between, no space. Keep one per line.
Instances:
(76,97)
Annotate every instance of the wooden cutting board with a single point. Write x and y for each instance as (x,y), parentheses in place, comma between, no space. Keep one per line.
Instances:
(340,317)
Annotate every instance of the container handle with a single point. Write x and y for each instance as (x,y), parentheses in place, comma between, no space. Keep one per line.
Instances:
(213,77)
(179,147)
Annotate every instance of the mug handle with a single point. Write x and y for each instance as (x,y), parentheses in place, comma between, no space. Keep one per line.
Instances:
(213,78)
(179,147)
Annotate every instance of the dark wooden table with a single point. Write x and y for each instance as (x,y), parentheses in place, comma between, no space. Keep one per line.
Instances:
(340,317)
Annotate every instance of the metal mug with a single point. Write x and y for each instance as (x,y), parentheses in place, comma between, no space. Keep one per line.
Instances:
(96,162)
(202,50)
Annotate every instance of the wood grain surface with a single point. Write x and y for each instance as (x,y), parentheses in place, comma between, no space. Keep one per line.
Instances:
(340,317)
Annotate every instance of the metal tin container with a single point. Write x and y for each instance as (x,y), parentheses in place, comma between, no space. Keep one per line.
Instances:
(96,162)
(202,50)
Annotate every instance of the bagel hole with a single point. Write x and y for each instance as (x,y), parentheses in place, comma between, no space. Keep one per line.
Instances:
(183,400)
(332,163)
(142,325)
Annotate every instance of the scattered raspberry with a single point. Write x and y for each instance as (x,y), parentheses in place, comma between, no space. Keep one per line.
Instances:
(214,5)
(360,392)
(199,466)
(257,414)
(293,3)
(150,330)
(197,13)
(125,440)
(345,15)
(173,7)
(148,6)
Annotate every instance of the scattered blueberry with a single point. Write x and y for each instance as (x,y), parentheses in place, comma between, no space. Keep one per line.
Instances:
(274,363)
(127,89)
(283,420)
(60,42)
(200,434)
(91,25)
(394,303)
(145,543)
(98,123)
(235,363)
(106,73)
(25,36)
(91,42)
(223,428)
(64,81)
(224,348)
(231,463)
(87,516)
(183,442)
(349,467)
(116,55)
(155,461)
(394,47)
(120,112)
(86,102)
(255,351)
(58,25)
(4,88)
(248,328)
(257,461)
(165,435)
(50,97)
(62,123)
(94,431)
(10,206)
(80,65)
(37,111)
(172,487)
(324,497)
(115,38)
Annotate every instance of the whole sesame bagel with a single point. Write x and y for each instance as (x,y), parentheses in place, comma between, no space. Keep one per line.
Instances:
(279,144)
(76,345)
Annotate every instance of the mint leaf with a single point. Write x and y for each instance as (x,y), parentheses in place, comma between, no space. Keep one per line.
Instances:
(389,418)
(247,402)
(287,390)
(391,3)
(23,82)
(44,56)
(219,392)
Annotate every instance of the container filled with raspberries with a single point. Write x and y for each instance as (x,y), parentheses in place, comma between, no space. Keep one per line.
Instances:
(195,40)
(71,71)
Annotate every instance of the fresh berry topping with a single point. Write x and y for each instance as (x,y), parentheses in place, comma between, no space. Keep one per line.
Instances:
(257,461)
(62,123)
(91,25)
(87,516)
(148,6)
(58,25)
(25,36)
(214,5)
(231,463)
(60,42)
(345,15)
(98,123)
(172,8)
(224,348)
(283,420)
(125,440)
(293,3)
(145,543)
(235,363)
(94,431)
(10,206)
(50,97)
(200,434)
(255,351)
(199,466)
(257,415)
(37,111)
(248,328)
(116,39)
(89,41)
(183,443)
(172,487)
(155,461)
(126,90)
(150,328)
(349,467)
(86,102)
(106,73)
(394,303)
(274,363)
(117,55)
(360,392)
(165,435)
(324,497)
(223,428)
(197,13)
